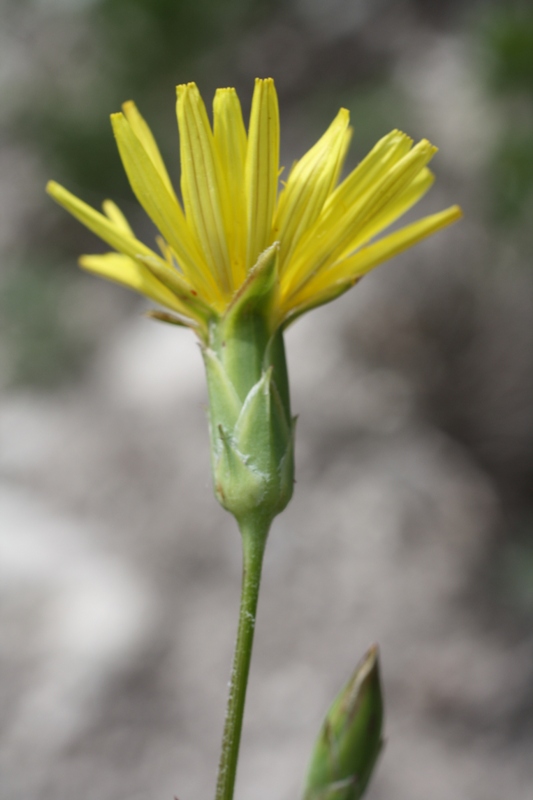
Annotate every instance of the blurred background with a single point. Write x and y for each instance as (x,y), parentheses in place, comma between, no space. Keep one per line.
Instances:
(412,521)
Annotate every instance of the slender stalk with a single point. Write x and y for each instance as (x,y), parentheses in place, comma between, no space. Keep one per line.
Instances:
(253,539)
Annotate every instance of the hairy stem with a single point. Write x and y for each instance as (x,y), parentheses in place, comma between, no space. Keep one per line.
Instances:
(253,537)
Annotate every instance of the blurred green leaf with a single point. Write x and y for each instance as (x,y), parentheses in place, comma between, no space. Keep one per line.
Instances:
(508,43)
(511,178)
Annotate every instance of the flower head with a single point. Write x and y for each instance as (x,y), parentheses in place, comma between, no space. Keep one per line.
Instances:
(232,209)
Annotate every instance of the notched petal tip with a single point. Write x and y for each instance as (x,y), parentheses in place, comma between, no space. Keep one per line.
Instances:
(222,90)
(424,145)
(184,88)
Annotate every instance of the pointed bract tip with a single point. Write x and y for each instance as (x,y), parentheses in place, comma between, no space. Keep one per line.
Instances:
(350,739)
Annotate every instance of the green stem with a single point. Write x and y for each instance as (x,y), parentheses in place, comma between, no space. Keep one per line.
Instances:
(253,538)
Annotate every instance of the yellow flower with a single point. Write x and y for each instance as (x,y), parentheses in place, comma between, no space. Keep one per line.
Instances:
(232,209)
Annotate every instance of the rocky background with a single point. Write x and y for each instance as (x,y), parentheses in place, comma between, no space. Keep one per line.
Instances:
(412,521)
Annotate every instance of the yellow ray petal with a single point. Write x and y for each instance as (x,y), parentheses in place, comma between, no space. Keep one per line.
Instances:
(160,206)
(310,182)
(357,265)
(344,203)
(334,230)
(128,272)
(262,168)
(202,186)
(108,230)
(396,208)
(289,313)
(114,213)
(396,181)
(393,244)
(384,155)
(230,142)
(145,136)
(166,251)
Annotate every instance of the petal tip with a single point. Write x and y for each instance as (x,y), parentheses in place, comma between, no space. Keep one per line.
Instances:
(426,145)
(84,261)
(128,107)
(268,82)
(117,118)
(183,89)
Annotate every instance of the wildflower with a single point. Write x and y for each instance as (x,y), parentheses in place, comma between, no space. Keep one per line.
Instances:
(231,210)
(238,260)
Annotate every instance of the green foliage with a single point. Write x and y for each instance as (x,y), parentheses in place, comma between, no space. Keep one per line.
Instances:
(511,178)
(508,39)
(507,46)
(155,37)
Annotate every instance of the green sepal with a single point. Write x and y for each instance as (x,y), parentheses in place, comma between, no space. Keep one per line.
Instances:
(224,403)
(241,336)
(238,486)
(262,428)
(256,293)
(286,470)
(350,739)
(253,462)
(275,356)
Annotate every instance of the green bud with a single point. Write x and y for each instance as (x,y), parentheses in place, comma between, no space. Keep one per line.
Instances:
(350,739)
(252,432)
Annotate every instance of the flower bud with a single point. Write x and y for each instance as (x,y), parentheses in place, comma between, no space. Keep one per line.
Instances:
(350,739)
